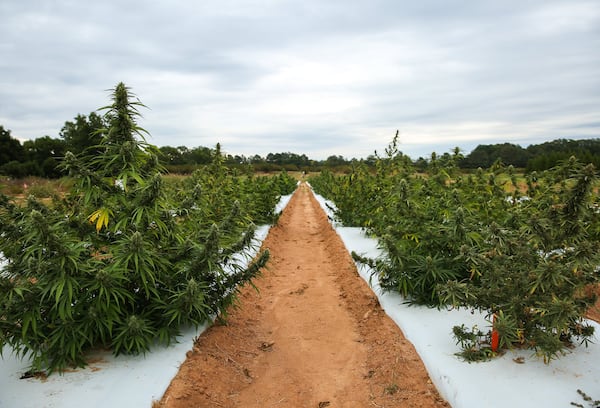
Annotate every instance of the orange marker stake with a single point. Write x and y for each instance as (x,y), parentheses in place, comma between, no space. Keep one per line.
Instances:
(495,336)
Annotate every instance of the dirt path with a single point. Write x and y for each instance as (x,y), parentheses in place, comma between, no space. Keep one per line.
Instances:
(313,336)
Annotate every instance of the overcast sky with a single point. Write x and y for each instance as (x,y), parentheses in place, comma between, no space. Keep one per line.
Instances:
(319,77)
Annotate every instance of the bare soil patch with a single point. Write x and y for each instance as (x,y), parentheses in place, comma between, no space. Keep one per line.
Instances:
(313,335)
(594,311)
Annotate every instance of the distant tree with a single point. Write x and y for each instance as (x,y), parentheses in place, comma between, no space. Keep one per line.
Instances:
(171,155)
(550,154)
(185,153)
(485,156)
(236,159)
(479,157)
(371,160)
(512,154)
(421,164)
(46,153)
(288,158)
(536,157)
(83,133)
(333,161)
(201,155)
(20,169)
(10,148)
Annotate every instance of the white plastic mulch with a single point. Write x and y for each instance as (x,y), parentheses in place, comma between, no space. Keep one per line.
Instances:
(124,381)
(502,382)
(136,381)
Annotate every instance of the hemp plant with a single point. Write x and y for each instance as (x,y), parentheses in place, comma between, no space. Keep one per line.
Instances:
(117,263)
(537,266)
(481,240)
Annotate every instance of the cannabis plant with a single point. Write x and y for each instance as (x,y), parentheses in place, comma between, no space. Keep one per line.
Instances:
(529,257)
(118,263)
(536,268)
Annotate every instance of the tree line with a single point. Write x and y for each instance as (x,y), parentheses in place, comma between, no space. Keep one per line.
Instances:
(535,157)
(43,156)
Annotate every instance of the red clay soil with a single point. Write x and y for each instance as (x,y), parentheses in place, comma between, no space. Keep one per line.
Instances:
(594,311)
(313,335)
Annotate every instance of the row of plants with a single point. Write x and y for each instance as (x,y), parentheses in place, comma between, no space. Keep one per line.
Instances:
(126,259)
(523,250)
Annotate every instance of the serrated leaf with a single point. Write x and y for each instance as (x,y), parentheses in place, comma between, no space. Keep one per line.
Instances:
(101,217)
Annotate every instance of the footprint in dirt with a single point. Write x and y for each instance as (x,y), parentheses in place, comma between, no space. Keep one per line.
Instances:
(299,291)
(266,346)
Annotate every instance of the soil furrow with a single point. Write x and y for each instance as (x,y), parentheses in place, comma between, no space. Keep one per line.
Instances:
(313,335)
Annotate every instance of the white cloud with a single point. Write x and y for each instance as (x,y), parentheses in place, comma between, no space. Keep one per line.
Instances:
(312,77)
(565,17)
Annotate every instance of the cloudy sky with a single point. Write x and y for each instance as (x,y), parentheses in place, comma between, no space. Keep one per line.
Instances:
(319,77)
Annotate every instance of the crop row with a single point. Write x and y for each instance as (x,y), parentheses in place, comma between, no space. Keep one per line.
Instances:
(524,249)
(126,259)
